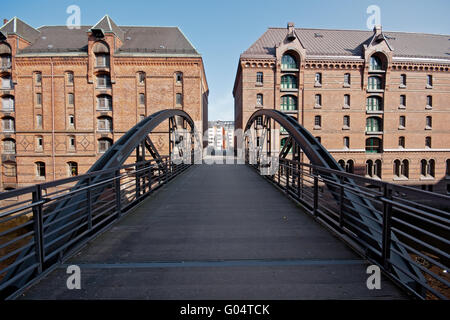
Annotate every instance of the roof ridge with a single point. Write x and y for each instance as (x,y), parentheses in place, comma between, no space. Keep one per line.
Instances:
(360,30)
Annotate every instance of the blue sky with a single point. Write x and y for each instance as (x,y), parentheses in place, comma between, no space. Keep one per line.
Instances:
(222,30)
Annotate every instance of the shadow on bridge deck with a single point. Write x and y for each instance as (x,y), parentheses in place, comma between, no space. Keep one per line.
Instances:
(216,232)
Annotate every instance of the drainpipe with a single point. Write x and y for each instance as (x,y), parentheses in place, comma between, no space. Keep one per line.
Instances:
(53,122)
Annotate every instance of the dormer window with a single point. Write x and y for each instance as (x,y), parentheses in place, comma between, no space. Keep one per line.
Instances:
(5,56)
(101,51)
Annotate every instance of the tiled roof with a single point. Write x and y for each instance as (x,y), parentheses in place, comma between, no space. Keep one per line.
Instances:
(56,39)
(108,25)
(17,26)
(350,43)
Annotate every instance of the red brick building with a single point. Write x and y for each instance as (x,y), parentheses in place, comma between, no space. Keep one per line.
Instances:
(378,101)
(68,94)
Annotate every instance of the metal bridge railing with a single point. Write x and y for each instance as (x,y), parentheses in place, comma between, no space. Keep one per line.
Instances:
(45,224)
(410,225)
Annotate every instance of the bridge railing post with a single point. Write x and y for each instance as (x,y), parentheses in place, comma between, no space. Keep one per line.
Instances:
(341,202)
(117,193)
(387,214)
(89,202)
(38,227)
(316,192)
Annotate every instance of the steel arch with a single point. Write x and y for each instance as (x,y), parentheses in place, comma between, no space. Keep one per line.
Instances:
(105,168)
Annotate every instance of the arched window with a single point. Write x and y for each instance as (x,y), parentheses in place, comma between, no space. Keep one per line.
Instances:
(9,146)
(259,99)
(40,169)
(104,124)
(8,124)
(101,51)
(72,168)
(397,165)
(427,168)
(374,104)
(5,56)
(373,169)
(369,168)
(8,103)
(375,63)
(404,170)
(447,167)
(103,80)
(377,168)
(342,163)
(375,83)
(179,77)
(141,77)
(70,77)
(288,62)
(289,82)
(288,103)
(104,102)
(374,124)
(6,82)
(104,144)
(373,145)
(349,167)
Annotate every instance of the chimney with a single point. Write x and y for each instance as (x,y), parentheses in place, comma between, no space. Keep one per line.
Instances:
(290,27)
(5,21)
(290,34)
(377,29)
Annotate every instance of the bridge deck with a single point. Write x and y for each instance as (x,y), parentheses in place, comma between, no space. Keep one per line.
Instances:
(216,232)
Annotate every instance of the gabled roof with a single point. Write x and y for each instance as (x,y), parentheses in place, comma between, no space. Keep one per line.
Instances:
(20,28)
(326,42)
(153,40)
(108,25)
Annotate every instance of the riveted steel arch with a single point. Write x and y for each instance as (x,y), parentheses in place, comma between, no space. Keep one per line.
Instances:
(124,147)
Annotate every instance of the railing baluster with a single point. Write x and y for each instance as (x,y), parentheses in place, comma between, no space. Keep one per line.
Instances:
(341,202)
(89,203)
(316,192)
(38,227)
(387,213)
(117,192)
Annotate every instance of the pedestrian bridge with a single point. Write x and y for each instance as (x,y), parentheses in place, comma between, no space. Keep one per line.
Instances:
(275,227)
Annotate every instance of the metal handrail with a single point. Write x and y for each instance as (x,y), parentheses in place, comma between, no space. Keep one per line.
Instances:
(427,238)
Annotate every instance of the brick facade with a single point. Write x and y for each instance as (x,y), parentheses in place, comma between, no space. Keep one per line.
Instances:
(332,90)
(159,85)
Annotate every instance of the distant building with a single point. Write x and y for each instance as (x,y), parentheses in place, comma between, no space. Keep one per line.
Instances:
(221,135)
(378,101)
(68,95)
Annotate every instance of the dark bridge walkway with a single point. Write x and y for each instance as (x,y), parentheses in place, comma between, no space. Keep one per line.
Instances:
(216,232)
